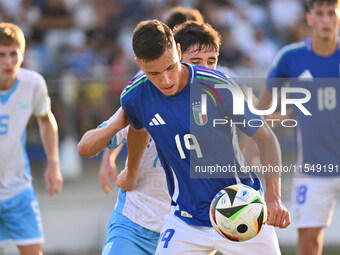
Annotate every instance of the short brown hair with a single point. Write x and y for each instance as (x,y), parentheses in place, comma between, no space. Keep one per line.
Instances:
(190,33)
(150,39)
(179,15)
(310,3)
(11,34)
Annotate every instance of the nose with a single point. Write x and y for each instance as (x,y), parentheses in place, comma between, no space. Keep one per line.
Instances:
(165,78)
(326,18)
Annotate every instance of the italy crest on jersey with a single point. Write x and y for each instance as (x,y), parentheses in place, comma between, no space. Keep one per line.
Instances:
(200,118)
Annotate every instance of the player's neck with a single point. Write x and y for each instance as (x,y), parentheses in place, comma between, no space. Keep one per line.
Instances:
(324,47)
(6,84)
(184,77)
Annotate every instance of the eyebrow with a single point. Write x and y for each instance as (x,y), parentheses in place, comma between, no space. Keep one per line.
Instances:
(9,52)
(197,58)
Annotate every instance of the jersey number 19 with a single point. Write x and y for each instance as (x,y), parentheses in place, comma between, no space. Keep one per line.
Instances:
(190,142)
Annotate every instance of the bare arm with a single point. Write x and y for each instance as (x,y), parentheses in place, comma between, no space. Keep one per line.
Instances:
(245,89)
(107,172)
(270,155)
(48,130)
(247,145)
(264,104)
(249,149)
(265,100)
(137,142)
(96,140)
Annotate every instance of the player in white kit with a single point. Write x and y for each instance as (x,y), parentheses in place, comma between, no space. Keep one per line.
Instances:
(138,215)
(23,93)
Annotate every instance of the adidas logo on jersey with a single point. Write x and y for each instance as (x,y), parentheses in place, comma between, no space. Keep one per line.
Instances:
(157,120)
(305,76)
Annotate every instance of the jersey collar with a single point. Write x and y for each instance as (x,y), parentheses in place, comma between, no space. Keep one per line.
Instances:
(4,97)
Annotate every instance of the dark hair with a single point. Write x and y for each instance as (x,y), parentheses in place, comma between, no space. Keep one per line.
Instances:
(179,15)
(190,33)
(310,3)
(150,40)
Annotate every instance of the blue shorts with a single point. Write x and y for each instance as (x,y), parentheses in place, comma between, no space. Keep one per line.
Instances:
(20,221)
(125,237)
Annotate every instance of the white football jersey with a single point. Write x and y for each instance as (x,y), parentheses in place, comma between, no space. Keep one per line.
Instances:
(28,96)
(149,202)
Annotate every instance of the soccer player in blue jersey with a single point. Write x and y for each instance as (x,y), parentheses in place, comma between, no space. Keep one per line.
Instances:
(138,215)
(314,64)
(161,103)
(23,93)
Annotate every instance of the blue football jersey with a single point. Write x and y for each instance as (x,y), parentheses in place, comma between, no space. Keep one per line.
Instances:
(199,156)
(318,135)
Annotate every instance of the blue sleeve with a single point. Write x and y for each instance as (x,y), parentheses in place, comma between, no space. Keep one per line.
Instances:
(278,71)
(130,106)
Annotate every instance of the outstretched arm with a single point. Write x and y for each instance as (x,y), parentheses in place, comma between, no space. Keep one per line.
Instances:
(137,142)
(270,155)
(96,140)
(48,130)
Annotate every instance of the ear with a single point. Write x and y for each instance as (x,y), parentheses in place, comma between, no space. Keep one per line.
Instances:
(179,51)
(137,61)
(309,19)
(337,10)
(22,55)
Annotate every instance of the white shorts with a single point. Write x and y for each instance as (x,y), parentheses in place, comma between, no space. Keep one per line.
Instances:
(313,200)
(178,237)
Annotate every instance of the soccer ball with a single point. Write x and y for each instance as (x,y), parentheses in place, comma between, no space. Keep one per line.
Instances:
(238,212)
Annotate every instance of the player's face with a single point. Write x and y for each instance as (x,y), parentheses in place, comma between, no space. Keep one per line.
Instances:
(324,19)
(165,72)
(205,57)
(10,62)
